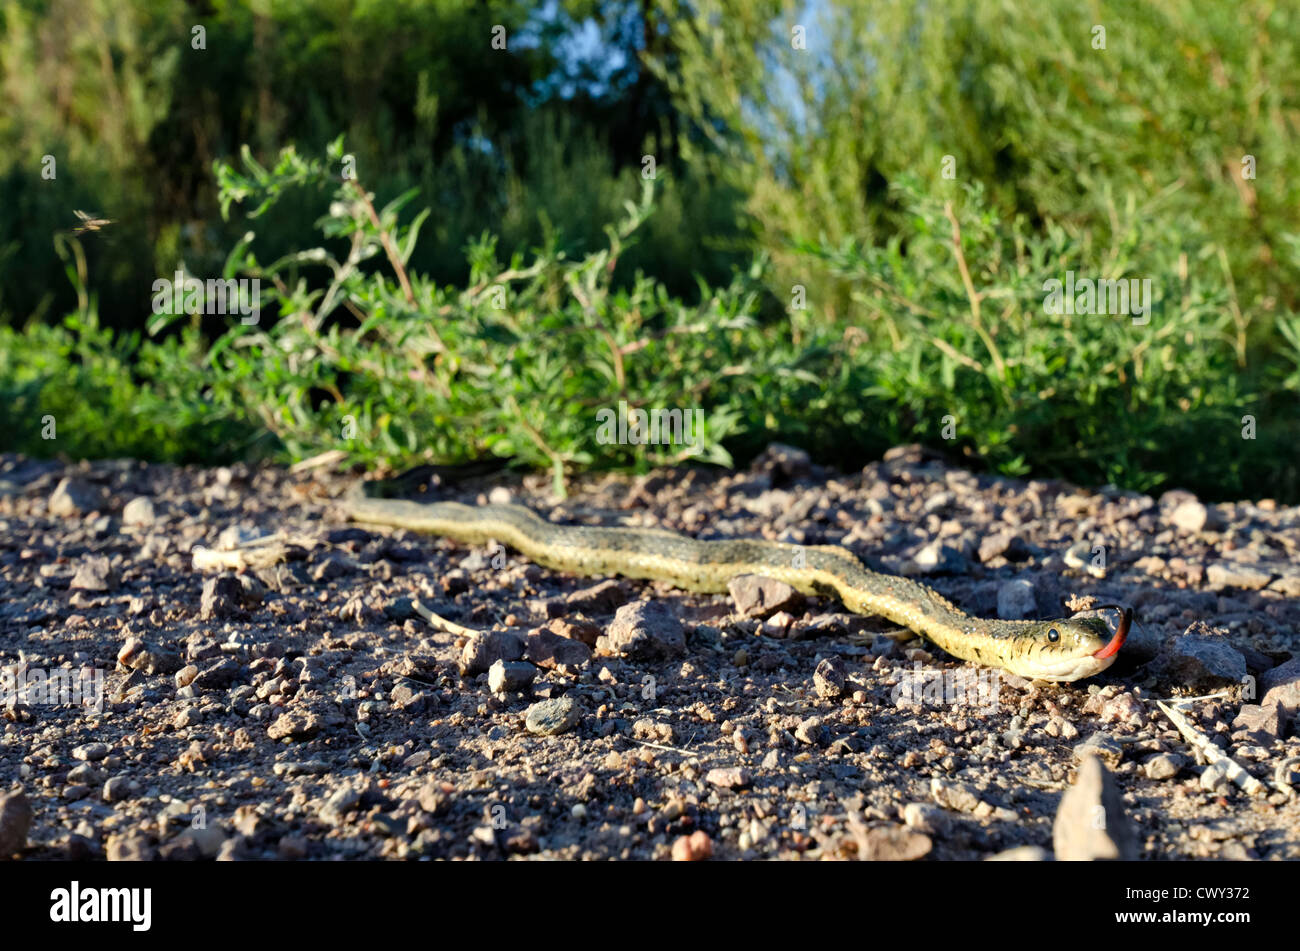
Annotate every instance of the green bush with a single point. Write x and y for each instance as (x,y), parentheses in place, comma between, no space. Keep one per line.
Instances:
(953,346)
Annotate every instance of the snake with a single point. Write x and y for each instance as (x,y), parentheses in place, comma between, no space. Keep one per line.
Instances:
(1059,650)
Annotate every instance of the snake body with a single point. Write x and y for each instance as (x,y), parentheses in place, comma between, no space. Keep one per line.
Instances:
(1056,650)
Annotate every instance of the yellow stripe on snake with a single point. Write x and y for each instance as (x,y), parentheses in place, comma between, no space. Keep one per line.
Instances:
(1057,650)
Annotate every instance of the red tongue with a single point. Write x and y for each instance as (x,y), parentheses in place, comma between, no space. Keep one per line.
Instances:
(1116,642)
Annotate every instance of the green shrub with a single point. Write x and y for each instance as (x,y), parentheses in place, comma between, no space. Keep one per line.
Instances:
(951,345)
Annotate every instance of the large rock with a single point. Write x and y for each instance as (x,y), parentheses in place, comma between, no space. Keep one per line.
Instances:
(646,629)
(1260,723)
(1006,544)
(508,675)
(603,598)
(94,574)
(225,596)
(551,717)
(1016,600)
(1281,686)
(1227,574)
(483,650)
(1090,822)
(829,678)
(1193,516)
(73,497)
(1200,658)
(546,648)
(893,843)
(758,596)
(15,820)
(139,511)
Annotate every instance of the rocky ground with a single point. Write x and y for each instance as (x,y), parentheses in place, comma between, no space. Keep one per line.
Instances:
(245,675)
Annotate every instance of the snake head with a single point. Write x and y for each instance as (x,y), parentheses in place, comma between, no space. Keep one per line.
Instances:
(1071,649)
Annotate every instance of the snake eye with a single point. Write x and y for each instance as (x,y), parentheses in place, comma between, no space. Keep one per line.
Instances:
(1053,635)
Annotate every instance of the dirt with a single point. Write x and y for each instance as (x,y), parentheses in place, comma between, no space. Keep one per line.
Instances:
(302,706)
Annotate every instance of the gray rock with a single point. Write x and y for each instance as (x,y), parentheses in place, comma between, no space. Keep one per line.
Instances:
(117,789)
(207,841)
(729,777)
(1281,685)
(1090,823)
(939,558)
(135,654)
(1227,574)
(1101,746)
(73,497)
(399,609)
(15,820)
(810,730)
(546,648)
(1006,544)
(925,817)
(219,676)
(338,805)
(1259,724)
(1163,766)
(1287,584)
(130,847)
(1194,658)
(646,629)
(91,752)
(1016,599)
(551,717)
(223,597)
(1214,777)
(603,598)
(333,565)
(828,679)
(893,843)
(296,726)
(94,574)
(956,796)
(508,675)
(483,650)
(139,511)
(1192,516)
(404,697)
(756,596)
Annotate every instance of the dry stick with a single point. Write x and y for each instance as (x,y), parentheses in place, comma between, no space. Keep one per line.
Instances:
(972,294)
(252,556)
(666,749)
(402,279)
(319,461)
(958,356)
(387,239)
(441,623)
(534,435)
(1236,773)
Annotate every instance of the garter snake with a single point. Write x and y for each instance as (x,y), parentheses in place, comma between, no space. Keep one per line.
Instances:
(1053,650)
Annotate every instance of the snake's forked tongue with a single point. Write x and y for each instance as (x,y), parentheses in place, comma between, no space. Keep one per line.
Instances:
(1121,634)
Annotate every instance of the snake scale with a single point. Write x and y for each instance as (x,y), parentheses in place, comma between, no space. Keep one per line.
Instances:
(1054,650)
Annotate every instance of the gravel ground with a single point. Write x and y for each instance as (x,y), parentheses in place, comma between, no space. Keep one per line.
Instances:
(213,663)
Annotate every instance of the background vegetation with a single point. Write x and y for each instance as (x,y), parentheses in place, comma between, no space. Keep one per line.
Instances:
(843,244)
